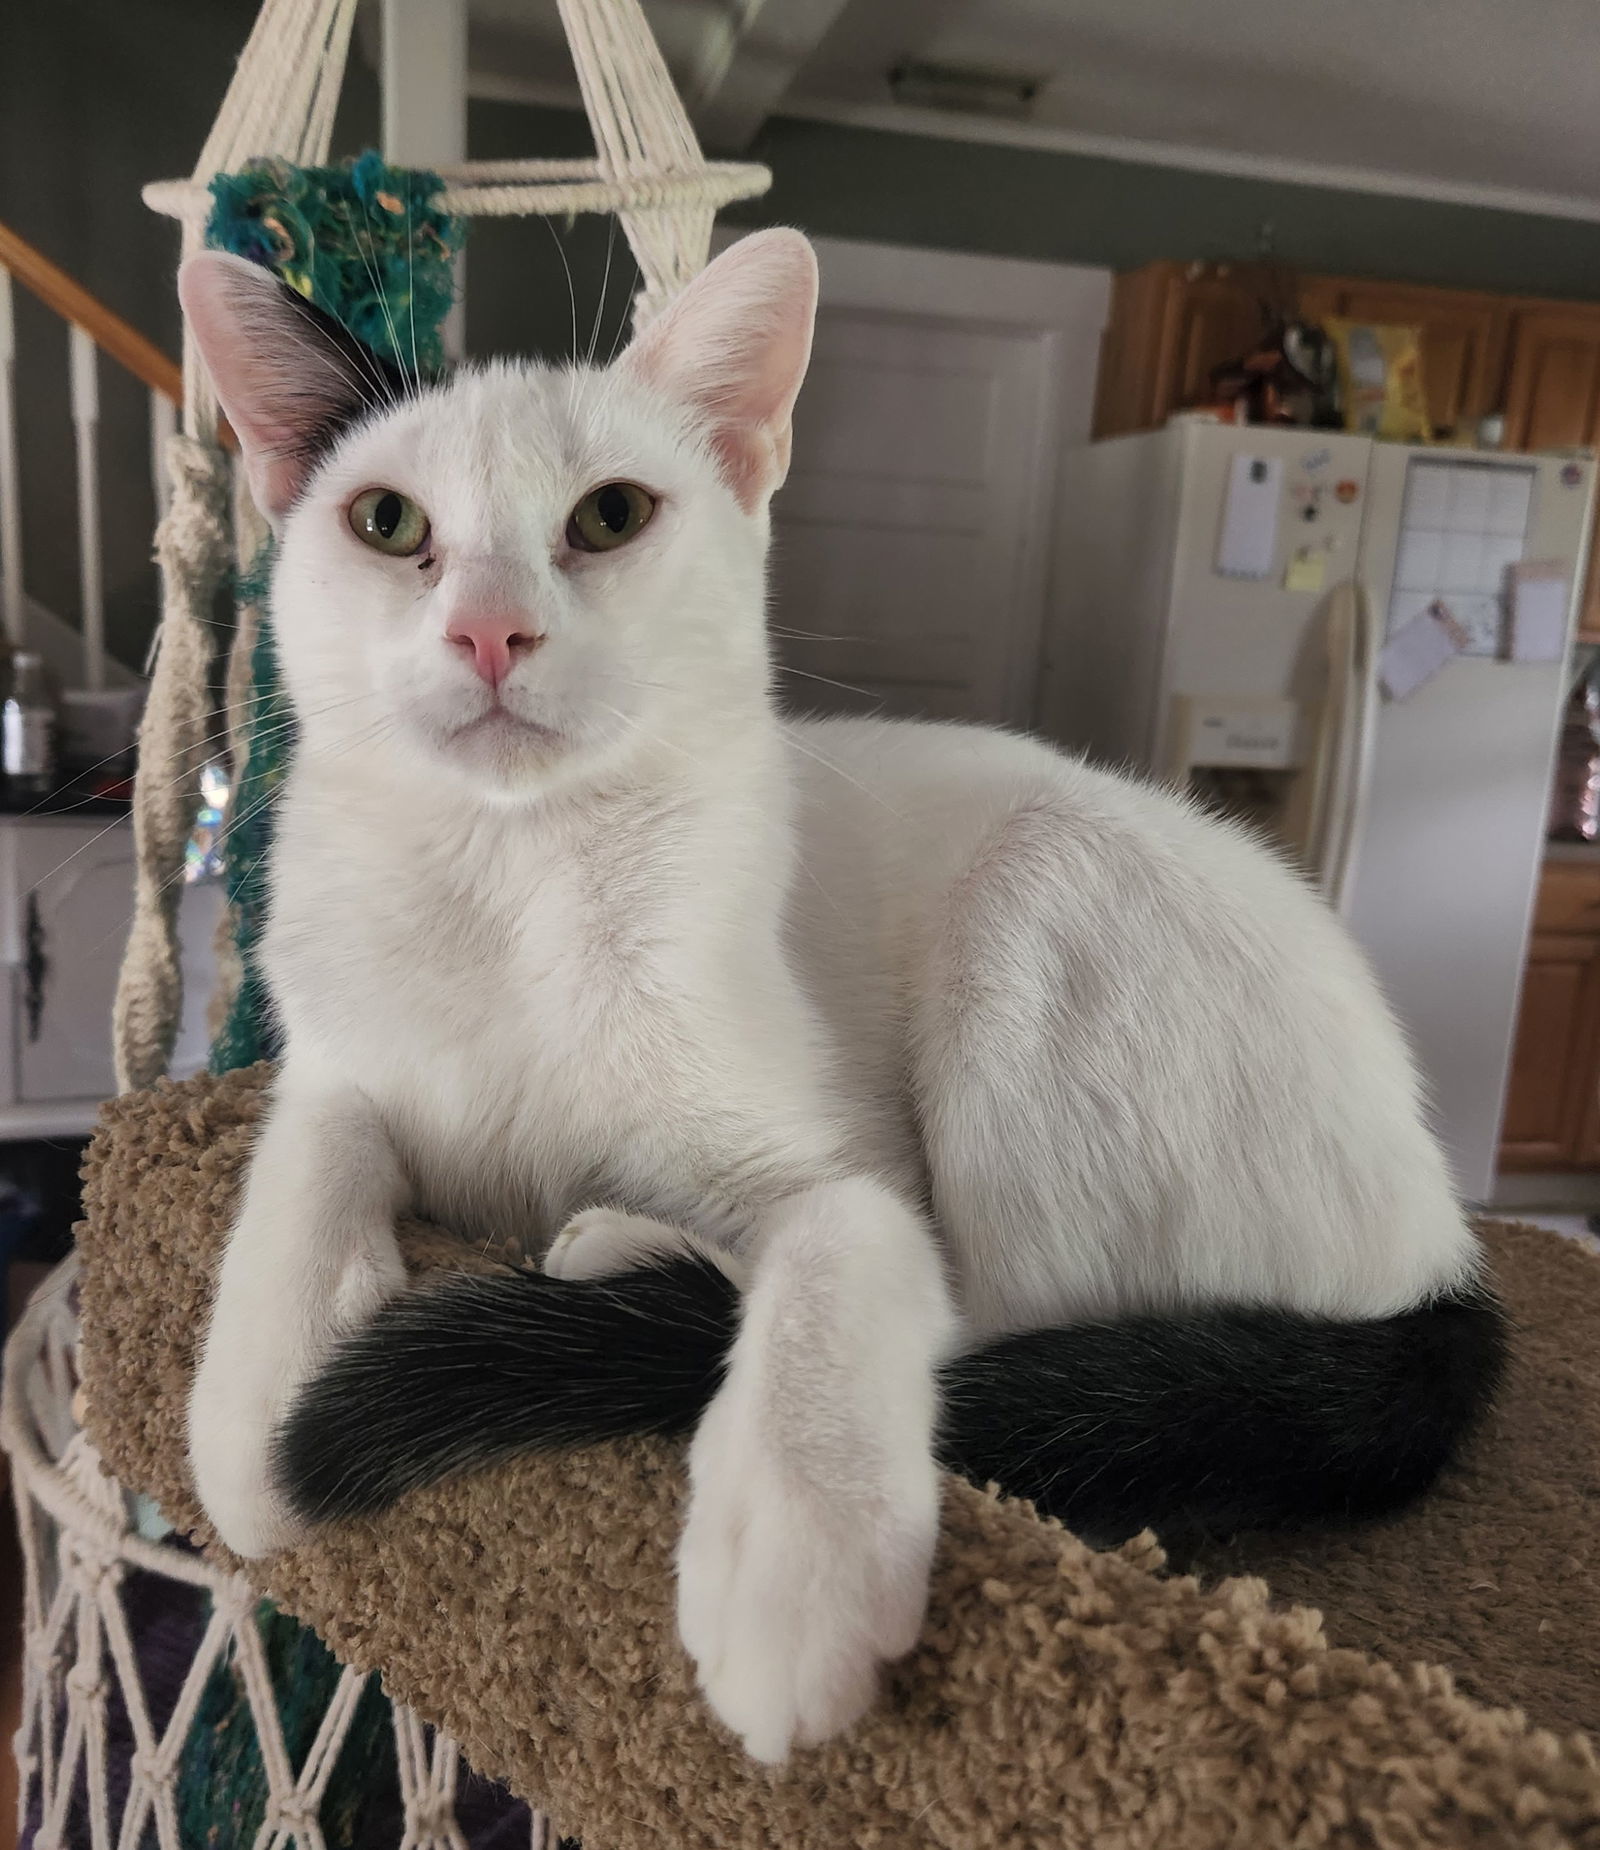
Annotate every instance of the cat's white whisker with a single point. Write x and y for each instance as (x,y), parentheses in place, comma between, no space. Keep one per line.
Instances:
(369,258)
(846,687)
(624,316)
(600,306)
(572,294)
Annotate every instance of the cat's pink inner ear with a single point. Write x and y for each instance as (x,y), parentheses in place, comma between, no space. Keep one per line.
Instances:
(733,348)
(281,382)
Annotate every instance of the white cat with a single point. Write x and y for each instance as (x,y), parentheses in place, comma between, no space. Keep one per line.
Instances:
(928,1032)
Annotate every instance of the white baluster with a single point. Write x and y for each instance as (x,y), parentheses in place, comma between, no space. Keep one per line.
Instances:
(12,612)
(163,427)
(86,428)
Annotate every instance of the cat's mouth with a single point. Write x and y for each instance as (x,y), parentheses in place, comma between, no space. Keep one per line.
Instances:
(499,722)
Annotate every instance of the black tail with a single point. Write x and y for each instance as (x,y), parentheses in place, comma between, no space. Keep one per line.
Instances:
(1200,1423)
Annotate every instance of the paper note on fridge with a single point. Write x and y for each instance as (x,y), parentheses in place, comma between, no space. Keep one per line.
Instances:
(1307,569)
(1419,649)
(1248,542)
(1537,591)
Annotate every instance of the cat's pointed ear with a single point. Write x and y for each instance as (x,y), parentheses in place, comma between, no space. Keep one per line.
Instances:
(733,347)
(288,376)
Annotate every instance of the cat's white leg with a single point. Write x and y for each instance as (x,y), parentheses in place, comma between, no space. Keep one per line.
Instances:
(311,1256)
(601,1242)
(814,1496)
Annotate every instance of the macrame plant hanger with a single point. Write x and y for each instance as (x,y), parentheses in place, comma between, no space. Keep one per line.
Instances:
(265,1724)
(648,169)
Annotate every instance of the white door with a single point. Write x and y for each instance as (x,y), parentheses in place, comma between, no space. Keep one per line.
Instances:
(914,539)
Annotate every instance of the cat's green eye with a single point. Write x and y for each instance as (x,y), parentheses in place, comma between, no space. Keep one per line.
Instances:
(389,521)
(609,516)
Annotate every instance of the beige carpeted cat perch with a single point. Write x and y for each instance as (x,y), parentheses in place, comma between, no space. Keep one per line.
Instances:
(1059,1698)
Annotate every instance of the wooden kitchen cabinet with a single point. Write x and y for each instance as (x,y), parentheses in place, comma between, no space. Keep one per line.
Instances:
(1553,392)
(1553,402)
(1170,326)
(1171,323)
(1552,1114)
(1464,338)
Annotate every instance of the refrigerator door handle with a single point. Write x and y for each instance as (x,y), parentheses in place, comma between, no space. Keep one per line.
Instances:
(1357,736)
(1340,771)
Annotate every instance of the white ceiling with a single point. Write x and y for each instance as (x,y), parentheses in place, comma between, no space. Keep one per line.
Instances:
(1495,101)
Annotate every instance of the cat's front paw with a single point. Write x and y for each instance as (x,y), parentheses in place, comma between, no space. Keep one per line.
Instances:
(601,1242)
(605,1242)
(791,1596)
(230,1455)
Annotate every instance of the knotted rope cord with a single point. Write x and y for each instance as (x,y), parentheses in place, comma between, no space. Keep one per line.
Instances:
(649,170)
(79,1546)
(281,101)
(192,544)
(79,1538)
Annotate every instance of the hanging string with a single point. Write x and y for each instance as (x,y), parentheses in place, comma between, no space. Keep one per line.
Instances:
(648,169)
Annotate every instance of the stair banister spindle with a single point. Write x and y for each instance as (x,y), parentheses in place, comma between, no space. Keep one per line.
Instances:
(163,427)
(12,609)
(86,437)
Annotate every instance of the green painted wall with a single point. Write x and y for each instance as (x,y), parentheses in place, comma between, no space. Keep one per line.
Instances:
(1010,202)
(1067,208)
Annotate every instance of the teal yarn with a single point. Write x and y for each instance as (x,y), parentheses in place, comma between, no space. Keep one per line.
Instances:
(249,1032)
(222,1792)
(364,242)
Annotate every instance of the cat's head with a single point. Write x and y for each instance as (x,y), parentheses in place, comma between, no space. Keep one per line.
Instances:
(528,573)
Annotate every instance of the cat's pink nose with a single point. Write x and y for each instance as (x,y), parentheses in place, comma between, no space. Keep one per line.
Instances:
(494,639)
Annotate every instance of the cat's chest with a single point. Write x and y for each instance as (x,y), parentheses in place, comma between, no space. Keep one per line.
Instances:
(504,983)
(520,1038)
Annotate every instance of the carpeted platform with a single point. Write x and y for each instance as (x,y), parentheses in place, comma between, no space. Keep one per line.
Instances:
(1059,1699)
(1497,1574)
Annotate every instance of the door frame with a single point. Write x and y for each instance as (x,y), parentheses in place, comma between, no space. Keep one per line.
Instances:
(1066,307)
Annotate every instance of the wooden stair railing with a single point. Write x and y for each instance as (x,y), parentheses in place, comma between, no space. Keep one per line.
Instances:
(93,329)
(72,302)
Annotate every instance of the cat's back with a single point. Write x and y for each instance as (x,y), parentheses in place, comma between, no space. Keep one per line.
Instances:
(1175,1045)
(912,821)
(917,800)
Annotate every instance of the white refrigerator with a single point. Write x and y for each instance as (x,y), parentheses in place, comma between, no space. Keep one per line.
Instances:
(1258,613)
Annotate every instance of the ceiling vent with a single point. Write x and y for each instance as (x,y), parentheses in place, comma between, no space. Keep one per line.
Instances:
(965,90)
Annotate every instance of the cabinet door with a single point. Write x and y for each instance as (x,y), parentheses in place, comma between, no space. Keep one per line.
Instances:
(1553,397)
(75,891)
(1212,318)
(1464,339)
(1553,401)
(1555,1054)
(1586,1155)
(1170,325)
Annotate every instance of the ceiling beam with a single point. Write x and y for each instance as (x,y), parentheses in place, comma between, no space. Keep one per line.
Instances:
(750,61)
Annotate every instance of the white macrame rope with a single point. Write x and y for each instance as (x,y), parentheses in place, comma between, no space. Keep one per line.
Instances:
(192,544)
(281,102)
(78,1545)
(648,169)
(518,188)
(78,1537)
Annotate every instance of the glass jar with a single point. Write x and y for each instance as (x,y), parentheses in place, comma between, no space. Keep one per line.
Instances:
(1575,799)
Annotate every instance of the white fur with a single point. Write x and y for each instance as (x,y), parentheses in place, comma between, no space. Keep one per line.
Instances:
(932,1031)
